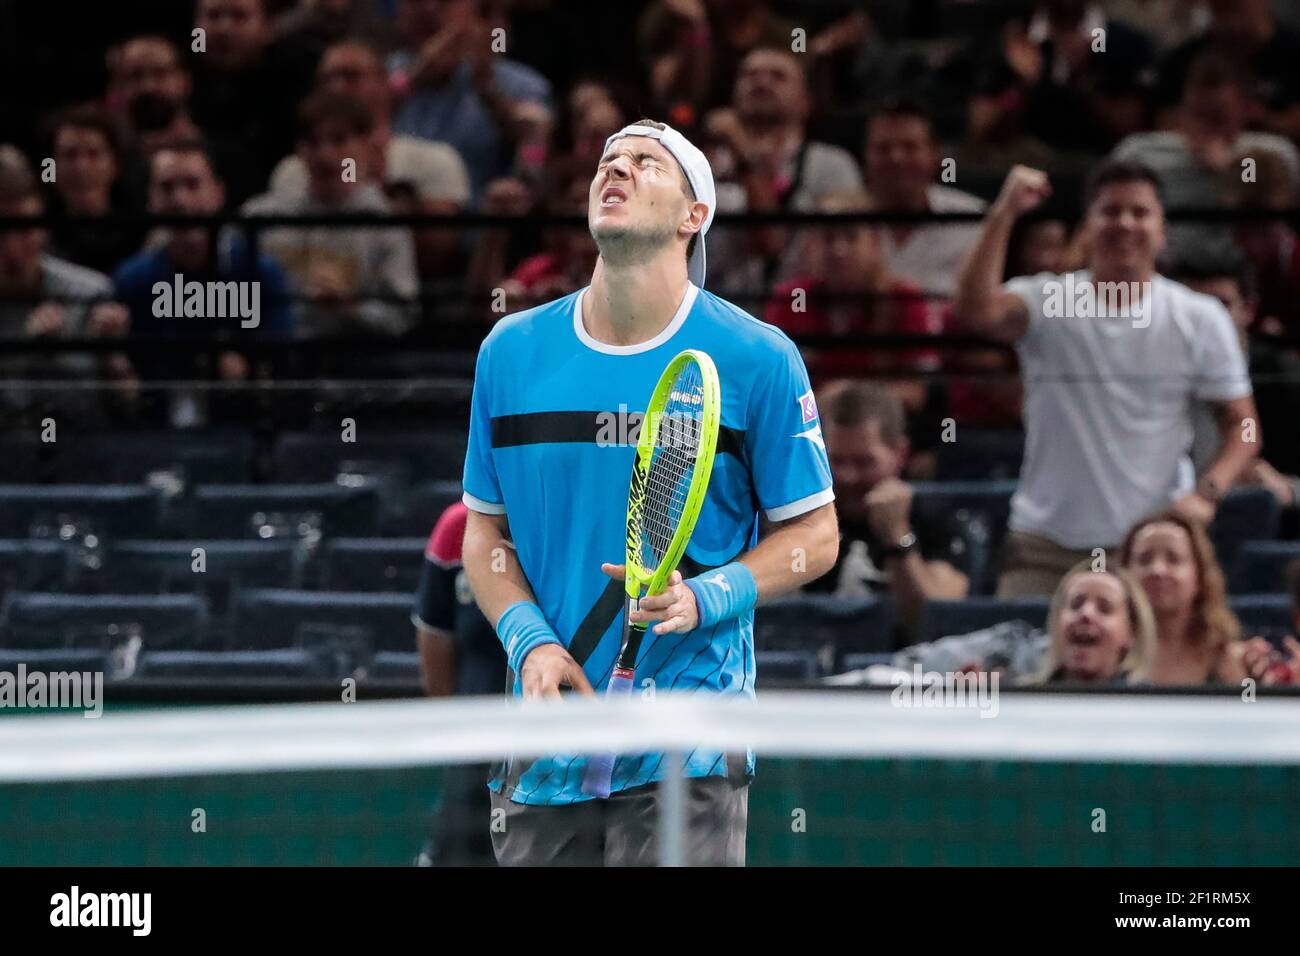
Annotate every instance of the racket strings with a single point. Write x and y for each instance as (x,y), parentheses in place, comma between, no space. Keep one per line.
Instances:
(667,480)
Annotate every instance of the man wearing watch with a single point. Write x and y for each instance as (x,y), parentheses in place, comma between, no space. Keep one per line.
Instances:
(888,546)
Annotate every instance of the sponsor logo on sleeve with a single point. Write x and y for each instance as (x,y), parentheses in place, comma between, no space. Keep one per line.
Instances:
(807,407)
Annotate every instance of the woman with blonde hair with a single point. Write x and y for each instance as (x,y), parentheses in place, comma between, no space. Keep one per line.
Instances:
(1197,635)
(1101,629)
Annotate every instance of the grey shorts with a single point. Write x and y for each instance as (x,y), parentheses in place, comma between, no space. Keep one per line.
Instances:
(623,830)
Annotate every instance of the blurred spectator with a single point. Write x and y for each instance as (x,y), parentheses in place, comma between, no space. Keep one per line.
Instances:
(1198,160)
(1042,245)
(1271,665)
(762,144)
(1110,378)
(460,655)
(1275,370)
(320,23)
(1247,32)
(995,137)
(497,251)
(568,257)
(431,174)
(594,116)
(848,290)
(352,68)
(902,161)
(355,279)
(692,49)
(1101,627)
(1198,636)
(1270,244)
(1084,74)
(86,147)
(247,86)
(43,296)
(455,89)
(887,544)
(568,253)
(1167,22)
(149,87)
(184,182)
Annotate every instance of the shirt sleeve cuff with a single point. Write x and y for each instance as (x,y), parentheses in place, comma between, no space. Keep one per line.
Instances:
(481,506)
(795,508)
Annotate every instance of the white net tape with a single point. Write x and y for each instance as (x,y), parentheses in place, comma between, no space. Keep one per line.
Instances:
(828,724)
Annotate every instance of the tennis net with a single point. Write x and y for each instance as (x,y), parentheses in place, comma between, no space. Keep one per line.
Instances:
(843,778)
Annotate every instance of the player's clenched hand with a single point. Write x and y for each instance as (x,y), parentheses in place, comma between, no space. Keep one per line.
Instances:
(675,606)
(1023,189)
(548,668)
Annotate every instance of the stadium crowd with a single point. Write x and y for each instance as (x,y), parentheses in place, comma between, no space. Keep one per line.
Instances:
(1059,131)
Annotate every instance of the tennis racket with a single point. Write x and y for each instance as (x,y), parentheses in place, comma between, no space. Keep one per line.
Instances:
(674,458)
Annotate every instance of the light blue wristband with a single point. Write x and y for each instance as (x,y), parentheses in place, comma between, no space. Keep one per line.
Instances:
(724,593)
(522,629)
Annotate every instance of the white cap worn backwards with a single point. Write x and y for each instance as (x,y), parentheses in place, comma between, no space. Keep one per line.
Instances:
(698,173)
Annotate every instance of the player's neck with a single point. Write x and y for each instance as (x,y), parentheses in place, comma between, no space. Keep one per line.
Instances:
(628,305)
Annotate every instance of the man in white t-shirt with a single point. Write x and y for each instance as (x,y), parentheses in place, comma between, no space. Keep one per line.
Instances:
(434,171)
(1114,358)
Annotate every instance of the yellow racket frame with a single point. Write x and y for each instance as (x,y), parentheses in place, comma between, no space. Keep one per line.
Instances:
(654,580)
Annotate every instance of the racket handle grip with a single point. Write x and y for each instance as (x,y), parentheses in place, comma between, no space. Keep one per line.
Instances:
(599,773)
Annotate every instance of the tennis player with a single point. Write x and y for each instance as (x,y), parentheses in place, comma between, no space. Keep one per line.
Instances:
(552,439)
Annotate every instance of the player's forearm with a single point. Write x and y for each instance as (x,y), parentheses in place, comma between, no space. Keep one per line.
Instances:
(495,575)
(1236,453)
(437,661)
(981,275)
(795,553)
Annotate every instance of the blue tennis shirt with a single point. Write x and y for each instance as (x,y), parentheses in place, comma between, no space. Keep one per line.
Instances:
(553,430)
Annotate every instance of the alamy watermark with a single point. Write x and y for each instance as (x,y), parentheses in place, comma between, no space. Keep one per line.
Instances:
(923,688)
(75,690)
(623,428)
(179,299)
(1086,299)
(133,911)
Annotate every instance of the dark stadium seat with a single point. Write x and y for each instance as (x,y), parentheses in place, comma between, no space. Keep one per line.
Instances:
(54,659)
(1245,514)
(373,564)
(1261,566)
(855,662)
(127,457)
(22,458)
(395,666)
(137,567)
(1263,614)
(242,511)
(980,454)
(946,618)
(104,621)
(417,509)
(785,666)
(33,565)
(827,626)
(981,509)
(355,623)
(291,663)
(115,510)
(424,455)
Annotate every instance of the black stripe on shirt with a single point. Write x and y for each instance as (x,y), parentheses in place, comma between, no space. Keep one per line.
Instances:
(540,428)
